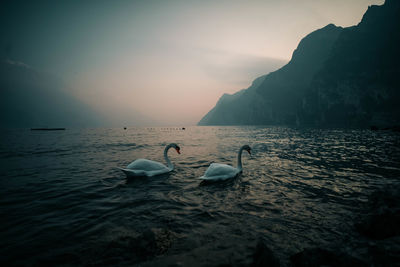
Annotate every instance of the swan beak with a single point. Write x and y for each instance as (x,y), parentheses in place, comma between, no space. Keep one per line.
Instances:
(178,151)
(249,151)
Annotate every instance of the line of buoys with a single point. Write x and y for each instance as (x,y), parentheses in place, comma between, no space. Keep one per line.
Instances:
(168,129)
(165,128)
(172,129)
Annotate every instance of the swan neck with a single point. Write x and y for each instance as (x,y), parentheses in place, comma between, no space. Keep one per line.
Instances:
(169,163)
(239,159)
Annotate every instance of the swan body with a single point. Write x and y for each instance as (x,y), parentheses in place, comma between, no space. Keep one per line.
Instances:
(149,168)
(220,172)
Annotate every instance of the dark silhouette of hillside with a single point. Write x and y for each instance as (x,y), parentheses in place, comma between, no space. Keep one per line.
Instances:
(29,98)
(347,77)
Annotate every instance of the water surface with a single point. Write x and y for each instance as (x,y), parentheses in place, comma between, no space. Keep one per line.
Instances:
(62,200)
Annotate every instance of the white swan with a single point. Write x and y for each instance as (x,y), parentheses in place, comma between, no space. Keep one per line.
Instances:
(145,167)
(219,172)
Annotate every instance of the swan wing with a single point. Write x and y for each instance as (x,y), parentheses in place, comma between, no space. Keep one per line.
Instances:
(146,165)
(133,173)
(141,173)
(218,171)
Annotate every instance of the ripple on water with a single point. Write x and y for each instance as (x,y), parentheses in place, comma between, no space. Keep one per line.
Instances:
(63,200)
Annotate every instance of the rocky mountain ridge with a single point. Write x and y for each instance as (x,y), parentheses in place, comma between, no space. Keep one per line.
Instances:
(345,77)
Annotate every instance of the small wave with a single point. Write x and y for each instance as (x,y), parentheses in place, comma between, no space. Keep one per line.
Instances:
(302,189)
(50,151)
(122,145)
(26,153)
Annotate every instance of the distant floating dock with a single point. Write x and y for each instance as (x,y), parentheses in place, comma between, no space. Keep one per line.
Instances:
(47,129)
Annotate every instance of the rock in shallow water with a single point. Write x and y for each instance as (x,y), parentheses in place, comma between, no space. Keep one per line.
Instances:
(383,215)
(380,225)
(322,257)
(129,248)
(263,256)
(152,242)
(385,252)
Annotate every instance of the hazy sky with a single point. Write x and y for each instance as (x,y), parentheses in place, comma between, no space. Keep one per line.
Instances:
(167,59)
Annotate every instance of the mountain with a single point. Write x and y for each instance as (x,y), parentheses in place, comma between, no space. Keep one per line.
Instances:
(30,98)
(236,108)
(345,77)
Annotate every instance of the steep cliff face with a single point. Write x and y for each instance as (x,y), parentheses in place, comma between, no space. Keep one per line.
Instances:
(336,77)
(271,99)
(284,88)
(359,83)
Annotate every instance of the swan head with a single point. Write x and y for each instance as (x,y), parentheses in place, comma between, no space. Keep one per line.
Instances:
(247,148)
(177,148)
